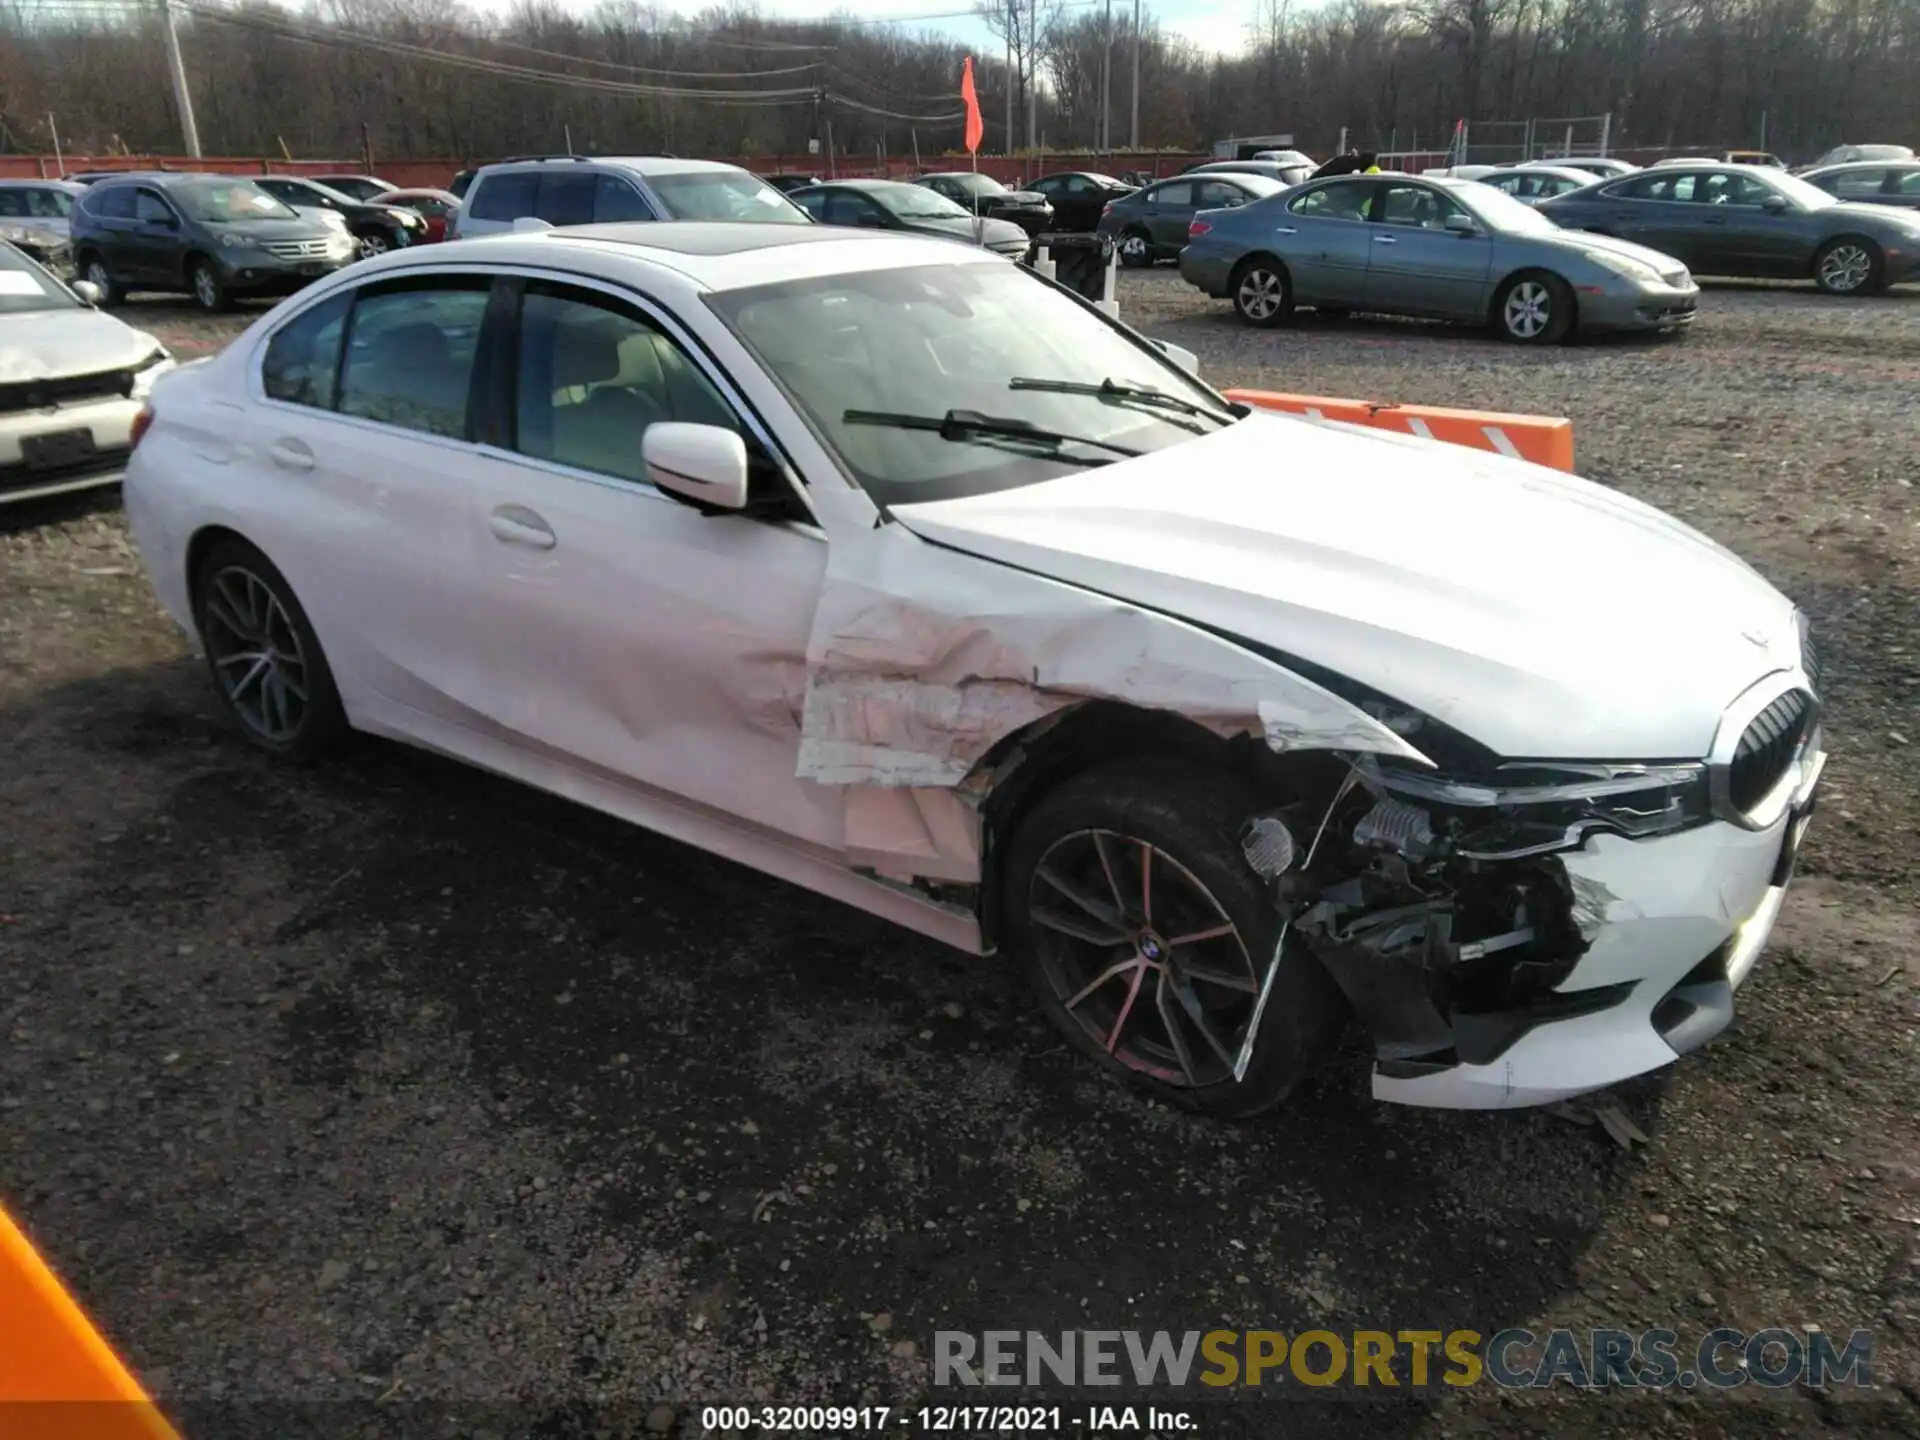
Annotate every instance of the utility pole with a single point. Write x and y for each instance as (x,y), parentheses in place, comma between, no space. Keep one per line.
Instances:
(1033,88)
(1106,83)
(1133,135)
(178,70)
(1012,20)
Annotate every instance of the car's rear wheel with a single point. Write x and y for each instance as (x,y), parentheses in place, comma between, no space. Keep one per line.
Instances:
(209,290)
(1534,309)
(94,271)
(1149,939)
(1261,294)
(1136,249)
(1849,265)
(267,664)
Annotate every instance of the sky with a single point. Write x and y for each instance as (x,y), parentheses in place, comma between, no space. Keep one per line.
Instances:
(1213,25)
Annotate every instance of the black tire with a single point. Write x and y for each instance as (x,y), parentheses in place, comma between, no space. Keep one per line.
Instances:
(376,241)
(1261,292)
(1850,265)
(209,291)
(1136,249)
(1191,818)
(94,269)
(1534,308)
(230,615)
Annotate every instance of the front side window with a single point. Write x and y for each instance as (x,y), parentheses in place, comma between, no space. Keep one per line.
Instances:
(1653,186)
(1731,190)
(1418,207)
(49,204)
(303,357)
(725,195)
(923,340)
(916,202)
(1333,202)
(614,200)
(505,197)
(410,353)
(1179,192)
(1857,184)
(850,207)
(593,376)
(814,202)
(1910,183)
(566,198)
(150,209)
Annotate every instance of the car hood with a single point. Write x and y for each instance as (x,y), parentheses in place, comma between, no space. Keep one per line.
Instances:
(1017,197)
(994,234)
(50,344)
(300,226)
(1581,240)
(1541,614)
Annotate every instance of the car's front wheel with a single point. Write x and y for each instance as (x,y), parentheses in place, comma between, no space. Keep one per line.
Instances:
(209,290)
(1261,294)
(94,271)
(1849,265)
(1136,249)
(1149,939)
(267,664)
(374,242)
(1534,309)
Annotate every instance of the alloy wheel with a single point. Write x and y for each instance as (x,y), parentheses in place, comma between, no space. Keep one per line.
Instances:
(1143,957)
(1133,250)
(97,275)
(256,652)
(1260,294)
(373,243)
(1845,267)
(206,288)
(1529,310)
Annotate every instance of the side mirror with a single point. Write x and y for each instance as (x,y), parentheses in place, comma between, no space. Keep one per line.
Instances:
(1461,224)
(88,292)
(1774,204)
(1185,359)
(706,464)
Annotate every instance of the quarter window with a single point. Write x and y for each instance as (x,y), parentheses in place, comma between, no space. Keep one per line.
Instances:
(592,378)
(410,353)
(505,197)
(303,358)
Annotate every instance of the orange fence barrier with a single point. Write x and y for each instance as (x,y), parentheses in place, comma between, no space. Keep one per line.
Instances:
(58,1379)
(1543,439)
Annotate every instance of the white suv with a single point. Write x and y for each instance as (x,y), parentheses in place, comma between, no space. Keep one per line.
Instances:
(578,190)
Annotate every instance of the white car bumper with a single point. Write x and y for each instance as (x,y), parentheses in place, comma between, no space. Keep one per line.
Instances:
(1677,923)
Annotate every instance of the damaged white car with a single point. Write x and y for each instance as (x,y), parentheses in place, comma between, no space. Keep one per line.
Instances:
(891,569)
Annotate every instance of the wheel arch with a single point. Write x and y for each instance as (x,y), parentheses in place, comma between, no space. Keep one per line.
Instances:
(1252,256)
(1876,251)
(201,545)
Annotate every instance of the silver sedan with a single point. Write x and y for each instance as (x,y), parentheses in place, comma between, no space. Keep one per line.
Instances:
(1438,248)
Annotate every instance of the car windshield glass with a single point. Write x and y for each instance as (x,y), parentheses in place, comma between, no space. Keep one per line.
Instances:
(222,201)
(1798,192)
(916,202)
(724,195)
(980,185)
(1498,210)
(924,340)
(24,286)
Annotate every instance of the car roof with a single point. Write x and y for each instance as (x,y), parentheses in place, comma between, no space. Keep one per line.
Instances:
(1850,165)
(714,255)
(644,164)
(14,182)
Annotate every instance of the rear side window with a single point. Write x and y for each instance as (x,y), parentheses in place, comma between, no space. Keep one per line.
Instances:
(615,200)
(410,353)
(505,197)
(1857,184)
(115,202)
(303,357)
(1180,193)
(566,198)
(1910,183)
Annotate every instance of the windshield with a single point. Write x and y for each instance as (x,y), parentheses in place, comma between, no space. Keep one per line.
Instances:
(916,202)
(1498,210)
(1807,197)
(222,201)
(724,195)
(25,287)
(979,184)
(929,339)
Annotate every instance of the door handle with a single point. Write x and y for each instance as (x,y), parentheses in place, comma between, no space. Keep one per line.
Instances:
(290,454)
(1385,240)
(1286,230)
(517,525)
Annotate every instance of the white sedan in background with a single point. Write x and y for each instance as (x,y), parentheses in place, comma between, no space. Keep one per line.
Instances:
(892,569)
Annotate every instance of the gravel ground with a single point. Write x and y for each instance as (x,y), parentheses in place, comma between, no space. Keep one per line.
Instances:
(394,1085)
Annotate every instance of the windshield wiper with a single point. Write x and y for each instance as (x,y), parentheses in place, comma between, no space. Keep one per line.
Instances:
(971,425)
(1111,389)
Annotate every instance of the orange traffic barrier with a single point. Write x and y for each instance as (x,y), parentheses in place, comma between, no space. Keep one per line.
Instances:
(1543,439)
(58,1379)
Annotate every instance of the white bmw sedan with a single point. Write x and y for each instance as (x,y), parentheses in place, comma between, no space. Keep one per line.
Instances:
(894,570)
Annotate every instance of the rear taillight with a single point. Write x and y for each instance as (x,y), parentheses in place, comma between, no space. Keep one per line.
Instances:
(1197,227)
(1106,210)
(142,422)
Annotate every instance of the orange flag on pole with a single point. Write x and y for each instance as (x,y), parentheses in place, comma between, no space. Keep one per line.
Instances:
(975,129)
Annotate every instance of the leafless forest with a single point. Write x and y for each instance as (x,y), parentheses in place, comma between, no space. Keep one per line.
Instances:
(429,78)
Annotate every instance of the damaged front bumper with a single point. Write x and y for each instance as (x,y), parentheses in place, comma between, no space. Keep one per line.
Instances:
(1673,925)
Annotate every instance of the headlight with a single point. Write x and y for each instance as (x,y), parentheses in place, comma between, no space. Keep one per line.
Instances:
(332,218)
(229,240)
(342,243)
(1536,807)
(1628,267)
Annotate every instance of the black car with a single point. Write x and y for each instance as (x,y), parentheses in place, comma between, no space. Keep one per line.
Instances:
(893,205)
(1078,197)
(462,182)
(1151,224)
(216,237)
(984,195)
(377,228)
(1871,182)
(1749,220)
(787,184)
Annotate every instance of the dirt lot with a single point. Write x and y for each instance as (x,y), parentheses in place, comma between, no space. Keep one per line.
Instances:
(395,1083)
